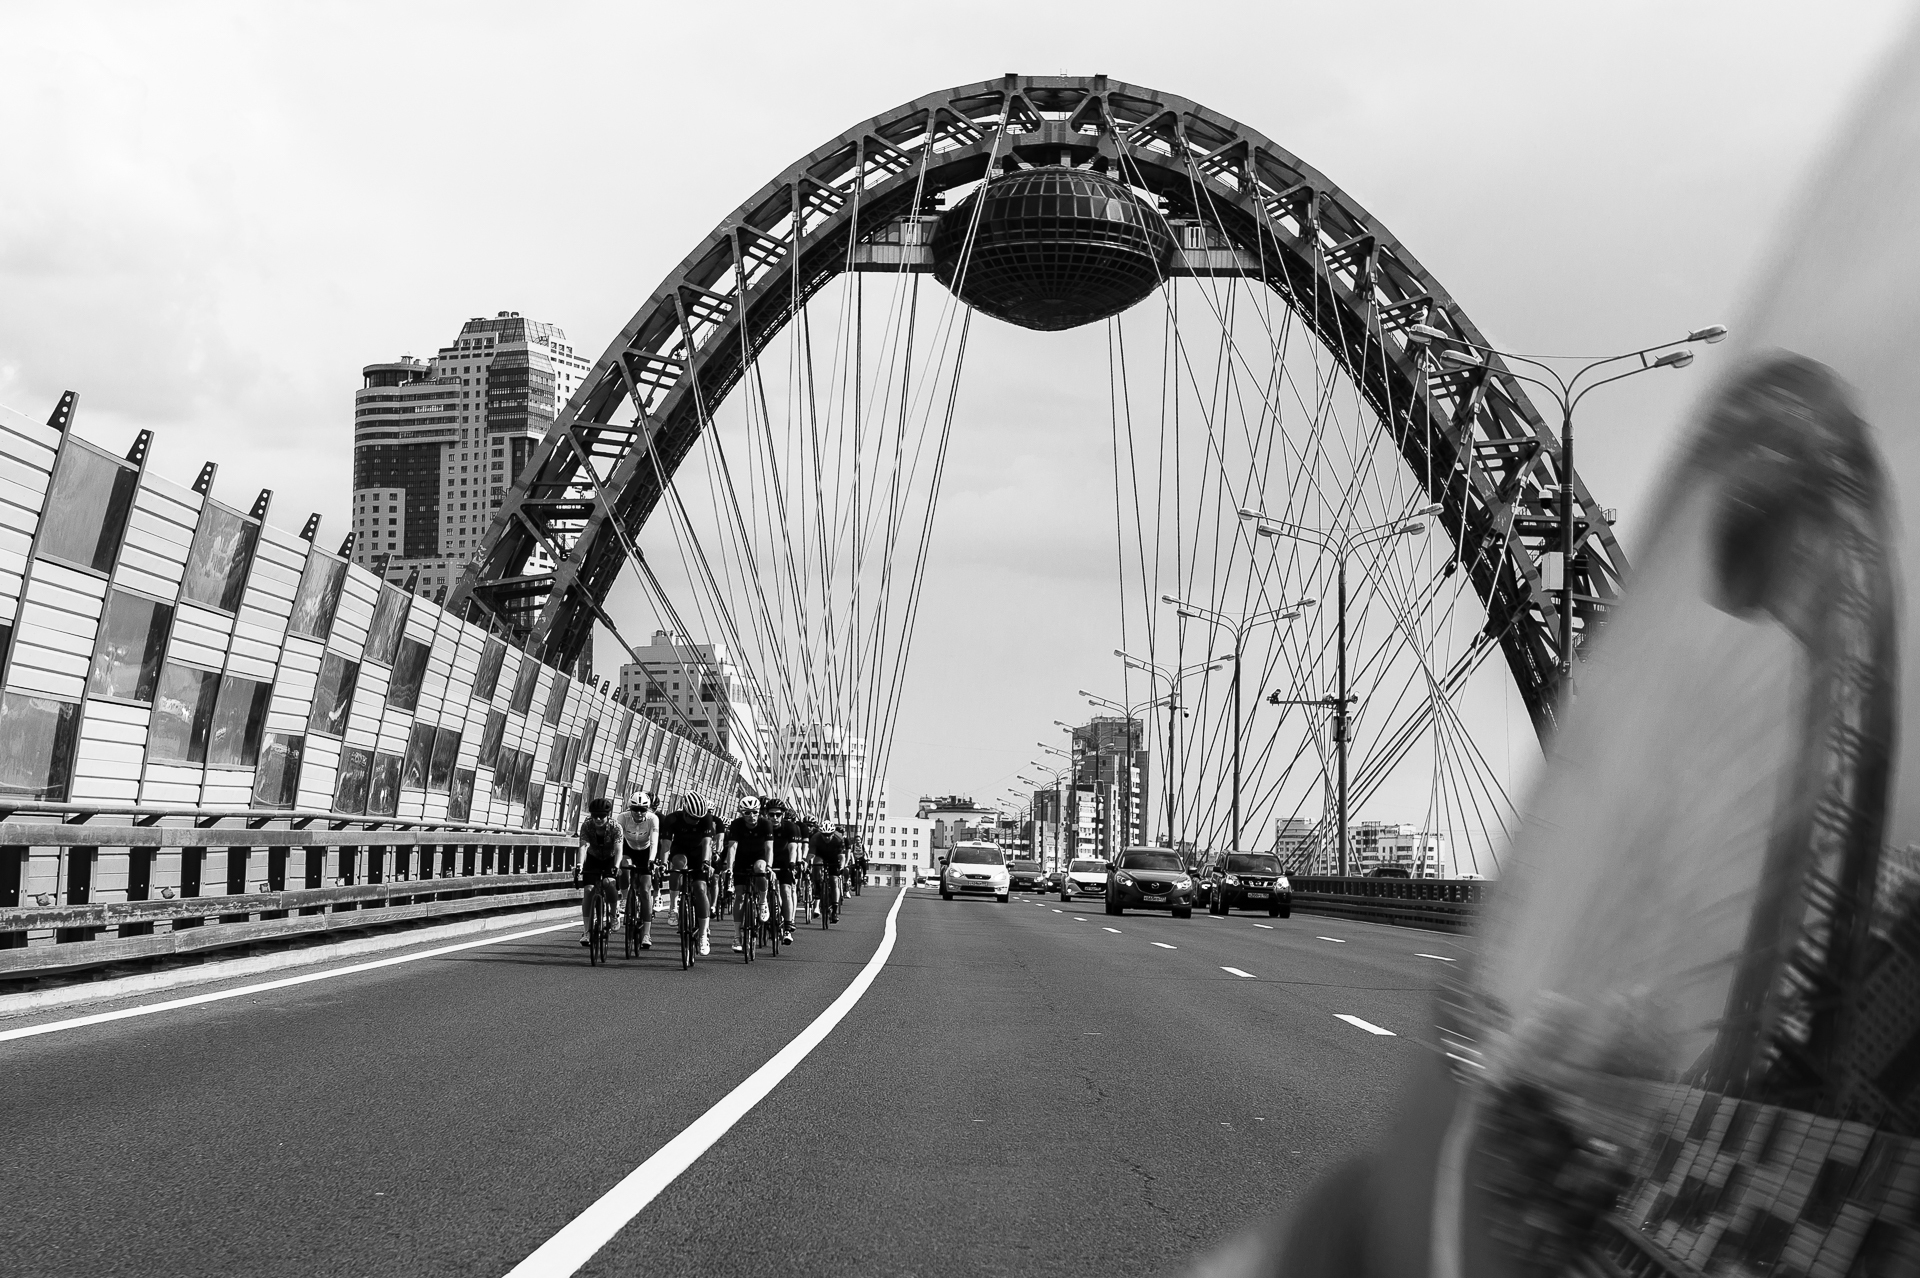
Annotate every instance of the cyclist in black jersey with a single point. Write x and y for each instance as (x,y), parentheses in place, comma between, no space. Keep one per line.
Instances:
(786,832)
(687,836)
(829,863)
(600,858)
(744,849)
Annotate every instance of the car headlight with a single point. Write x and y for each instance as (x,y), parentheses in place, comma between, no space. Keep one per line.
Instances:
(1285,886)
(1233,880)
(1123,878)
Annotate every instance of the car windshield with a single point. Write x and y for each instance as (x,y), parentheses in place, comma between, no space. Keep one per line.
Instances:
(1253,865)
(976,856)
(1150,861)
(1087,867)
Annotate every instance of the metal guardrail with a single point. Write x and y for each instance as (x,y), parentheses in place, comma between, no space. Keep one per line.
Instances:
(1442,905)
(76,894)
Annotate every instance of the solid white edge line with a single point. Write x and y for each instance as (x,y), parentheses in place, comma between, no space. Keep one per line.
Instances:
(1237,972)
(582,1237)
(1368,1026)
(195,1000)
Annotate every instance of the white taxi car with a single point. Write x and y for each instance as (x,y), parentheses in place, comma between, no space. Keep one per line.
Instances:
(975,868)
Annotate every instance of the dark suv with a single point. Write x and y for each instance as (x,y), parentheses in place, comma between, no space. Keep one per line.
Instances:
(1150,879)
(1248,881)
(1025,876)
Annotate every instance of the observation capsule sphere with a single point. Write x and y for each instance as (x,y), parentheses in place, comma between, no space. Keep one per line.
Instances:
(1052,248)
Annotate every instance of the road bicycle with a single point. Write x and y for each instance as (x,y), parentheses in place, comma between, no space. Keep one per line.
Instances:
(686,920)
(753,921)
(599,921)
(631,903)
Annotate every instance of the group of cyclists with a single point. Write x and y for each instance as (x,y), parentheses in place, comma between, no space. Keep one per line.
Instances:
(769,859)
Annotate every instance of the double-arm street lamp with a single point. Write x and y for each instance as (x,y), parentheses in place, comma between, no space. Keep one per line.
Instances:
(1341,548)
(1133,746)
(1567,392)
(1173,679)
(1239,629)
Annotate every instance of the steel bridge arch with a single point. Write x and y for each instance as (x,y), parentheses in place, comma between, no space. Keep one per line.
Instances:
(1493,461)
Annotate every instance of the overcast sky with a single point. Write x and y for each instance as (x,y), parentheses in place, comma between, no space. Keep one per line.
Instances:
(214,215)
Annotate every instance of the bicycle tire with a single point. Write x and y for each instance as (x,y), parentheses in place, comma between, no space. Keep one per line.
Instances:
(686,927)
(597,932)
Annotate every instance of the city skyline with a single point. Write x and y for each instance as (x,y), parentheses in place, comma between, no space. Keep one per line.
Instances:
(261,349)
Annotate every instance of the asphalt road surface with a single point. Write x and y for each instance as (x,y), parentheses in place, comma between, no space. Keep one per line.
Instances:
(1024,1088)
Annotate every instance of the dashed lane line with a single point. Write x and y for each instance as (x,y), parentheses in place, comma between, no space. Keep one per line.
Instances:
(1163,945)
(1267,926)
(1114,930)
(1336,940)
(1237,972)
(1443,958)
(582,1237)
(1368,1026)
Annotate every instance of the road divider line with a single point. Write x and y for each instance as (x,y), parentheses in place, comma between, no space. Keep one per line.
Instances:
(1368,1026)
(581,1238)
(1237,972)
(261,987)
(1443,958)
(1336,940)
(1163,945)
(1267,926)
(1114,930)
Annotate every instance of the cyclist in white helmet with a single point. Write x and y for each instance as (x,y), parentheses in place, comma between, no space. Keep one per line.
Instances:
(640,836)
(745,853)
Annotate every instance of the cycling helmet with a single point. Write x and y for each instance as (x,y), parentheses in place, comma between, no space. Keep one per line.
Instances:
(749,804)
(693,805)
(600,807)
(640,799)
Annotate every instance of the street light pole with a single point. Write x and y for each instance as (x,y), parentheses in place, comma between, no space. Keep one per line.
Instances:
(1239,630)
(1341,551)
(1567,393)
(1173,678)
(1127,713)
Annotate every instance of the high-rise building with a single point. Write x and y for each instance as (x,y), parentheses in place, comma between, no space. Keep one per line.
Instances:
(1296,840)
(436,443)
(829,769)
(698,689)
(1110,761)
(1375,845)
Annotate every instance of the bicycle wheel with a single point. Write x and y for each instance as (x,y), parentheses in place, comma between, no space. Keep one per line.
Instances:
(597,932)
(688,942)
(631,933)
(772,926)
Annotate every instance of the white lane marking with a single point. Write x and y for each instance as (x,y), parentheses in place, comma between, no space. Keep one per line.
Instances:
(1059,911)
(1114,930)
(583,1236)
(1443,958)
(1368,1026)
(1237,972)
(1336,940)
(1163,945)
(1078,919)
(195,1000)
(1267,926)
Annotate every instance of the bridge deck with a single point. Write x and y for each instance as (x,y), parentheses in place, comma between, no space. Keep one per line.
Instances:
(1021,1090)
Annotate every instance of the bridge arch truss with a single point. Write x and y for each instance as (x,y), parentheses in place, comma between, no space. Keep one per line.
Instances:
(1253,208)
